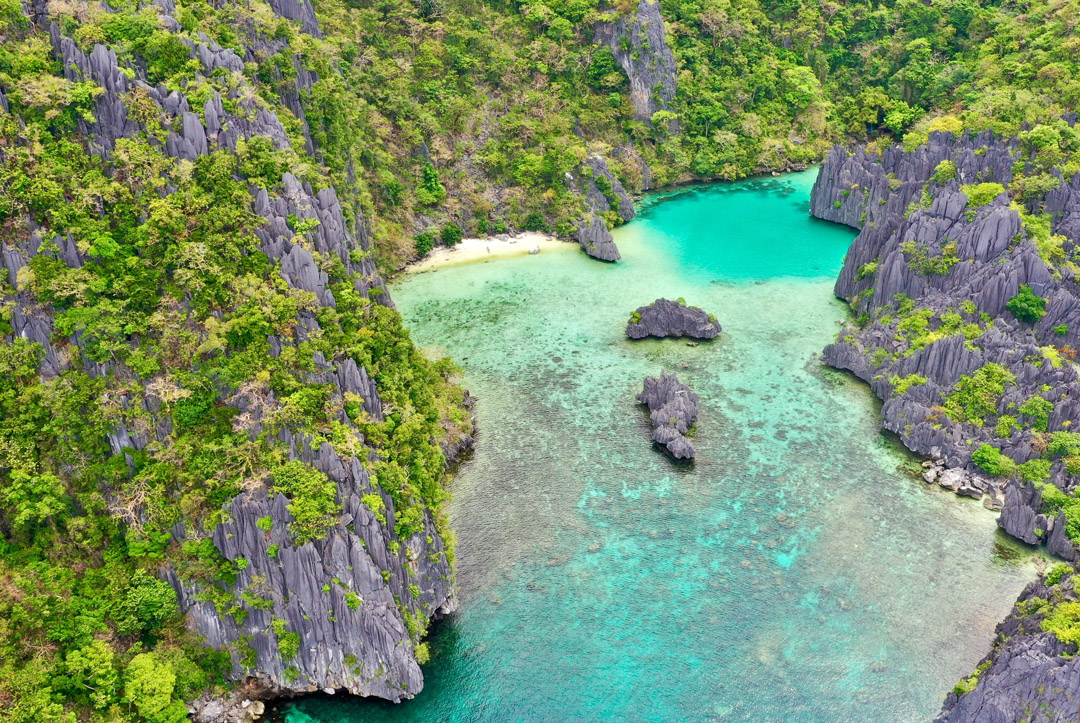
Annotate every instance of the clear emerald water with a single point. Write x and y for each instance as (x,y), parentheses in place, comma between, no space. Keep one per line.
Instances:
(798,571)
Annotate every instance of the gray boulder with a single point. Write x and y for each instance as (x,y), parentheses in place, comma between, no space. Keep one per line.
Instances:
(664,318)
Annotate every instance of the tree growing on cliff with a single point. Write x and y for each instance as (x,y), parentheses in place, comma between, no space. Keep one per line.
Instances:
(1027,306)
(991,460)
(976,396)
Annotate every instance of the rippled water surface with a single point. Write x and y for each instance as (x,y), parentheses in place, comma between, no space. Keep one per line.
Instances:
(799,571)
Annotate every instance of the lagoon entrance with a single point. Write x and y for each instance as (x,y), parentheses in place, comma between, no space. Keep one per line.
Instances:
(798,571)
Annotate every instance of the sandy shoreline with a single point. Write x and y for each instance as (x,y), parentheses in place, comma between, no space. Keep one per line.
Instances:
(474,250)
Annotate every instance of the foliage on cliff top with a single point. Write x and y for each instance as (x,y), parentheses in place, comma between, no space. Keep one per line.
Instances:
(176,298)
(474,113)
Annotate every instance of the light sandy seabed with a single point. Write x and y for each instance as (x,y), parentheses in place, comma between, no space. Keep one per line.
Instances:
(473,250)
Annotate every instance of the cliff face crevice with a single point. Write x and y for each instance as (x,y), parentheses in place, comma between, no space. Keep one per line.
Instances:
(990,397)
(639,43)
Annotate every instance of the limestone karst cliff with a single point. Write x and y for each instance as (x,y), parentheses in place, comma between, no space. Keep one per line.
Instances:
(639,43)
(314,562)
(607,202)
(967,316)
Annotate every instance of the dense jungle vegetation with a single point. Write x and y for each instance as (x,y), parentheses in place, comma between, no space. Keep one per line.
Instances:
(494,103)
(449,114)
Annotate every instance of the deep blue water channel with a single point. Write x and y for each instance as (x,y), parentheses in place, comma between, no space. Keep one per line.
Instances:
(799,571)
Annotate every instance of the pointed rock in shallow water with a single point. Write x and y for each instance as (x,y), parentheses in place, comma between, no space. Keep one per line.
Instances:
(672,411)
(664,318)
(595,238)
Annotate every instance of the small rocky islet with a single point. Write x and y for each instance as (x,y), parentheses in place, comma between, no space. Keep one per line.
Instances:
(672,412)
(672,406)
(665,319)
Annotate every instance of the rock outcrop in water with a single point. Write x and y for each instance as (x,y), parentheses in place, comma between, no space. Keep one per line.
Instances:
(672,411)
(990,396)
(665,318)
(605,198)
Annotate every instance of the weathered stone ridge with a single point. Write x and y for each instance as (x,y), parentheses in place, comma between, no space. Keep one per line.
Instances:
(1030,675)
(991,257)
(332,591)
(930,278)
(347,595)
(665,318)
(592,232)
(639,43)
(672,411)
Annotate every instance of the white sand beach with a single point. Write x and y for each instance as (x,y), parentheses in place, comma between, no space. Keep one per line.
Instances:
(477,250)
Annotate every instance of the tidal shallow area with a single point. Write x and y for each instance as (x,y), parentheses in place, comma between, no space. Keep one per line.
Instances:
(798,571)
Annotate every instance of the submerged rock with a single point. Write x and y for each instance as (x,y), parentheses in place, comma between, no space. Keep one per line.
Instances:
(672,411)
(664,318)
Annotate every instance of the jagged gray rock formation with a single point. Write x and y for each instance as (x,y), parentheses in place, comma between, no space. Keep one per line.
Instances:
(664,318)
(896,204)
(347,595)
(331,591)
(930,278)
(615,199)
(1030,675)
(603,193)
(672,411)
(639,43)
(596,240)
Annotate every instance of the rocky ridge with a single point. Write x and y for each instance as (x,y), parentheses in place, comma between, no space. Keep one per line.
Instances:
(348,595)
(672,411)
(665,318)
(606,200)
(1031,674)
(930,278)
(639,43)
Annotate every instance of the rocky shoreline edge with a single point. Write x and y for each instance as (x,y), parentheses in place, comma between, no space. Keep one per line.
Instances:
(966,313)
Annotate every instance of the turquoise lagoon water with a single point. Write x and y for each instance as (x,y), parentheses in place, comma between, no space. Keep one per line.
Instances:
(799,571)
